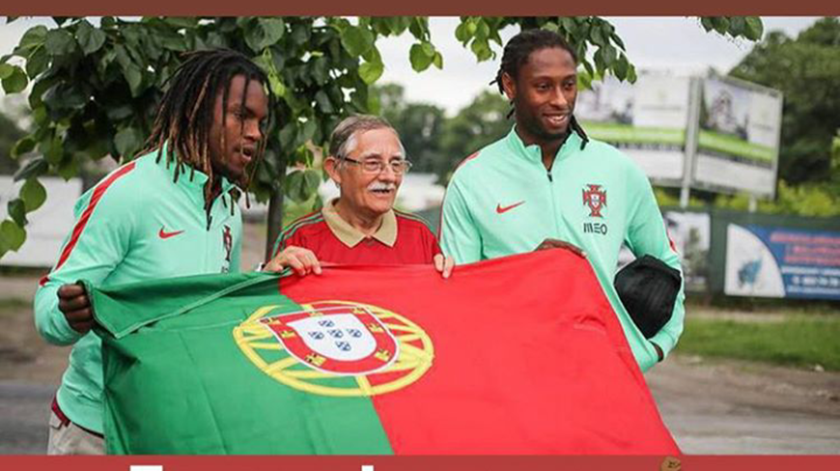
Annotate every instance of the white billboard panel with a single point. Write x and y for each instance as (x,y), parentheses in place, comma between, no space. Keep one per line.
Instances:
(48,225)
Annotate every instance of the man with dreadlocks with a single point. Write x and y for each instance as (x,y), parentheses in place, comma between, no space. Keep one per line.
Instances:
(546,184)
(170,212)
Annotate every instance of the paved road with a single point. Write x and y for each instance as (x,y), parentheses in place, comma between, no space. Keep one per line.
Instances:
(710,409)
(24,408)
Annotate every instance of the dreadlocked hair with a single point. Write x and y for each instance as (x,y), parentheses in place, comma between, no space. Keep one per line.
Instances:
(186,113)
(516,54)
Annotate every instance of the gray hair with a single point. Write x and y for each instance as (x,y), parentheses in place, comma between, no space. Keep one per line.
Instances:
(343,140)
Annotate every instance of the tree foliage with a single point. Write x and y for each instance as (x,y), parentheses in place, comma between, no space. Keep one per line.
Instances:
(95,87)
(10,133)
(807,71)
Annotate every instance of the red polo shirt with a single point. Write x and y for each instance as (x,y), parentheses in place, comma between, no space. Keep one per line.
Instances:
(402,239)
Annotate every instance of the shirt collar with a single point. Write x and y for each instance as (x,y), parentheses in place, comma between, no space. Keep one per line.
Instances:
(350,236)
(189,178)
(533,151)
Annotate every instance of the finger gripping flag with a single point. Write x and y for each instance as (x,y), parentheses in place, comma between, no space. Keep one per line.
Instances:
(518,355)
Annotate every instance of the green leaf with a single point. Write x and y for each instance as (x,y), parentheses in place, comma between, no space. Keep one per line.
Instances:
(24,145)
(273,30)
(721,24)
(737,26)
(33,168)
(264,32)
(182,22)
(302,185)
(324,103)
(307,133)
(617,40)
(706,21)
(60,42)
(420,60)
(597,37)
(620,67)
(287,136)
(462,32)
(128,141)
(754,29)
(276,84)
(37,62)
(12,235)
(481,50)
(51,149)
(32,38)
(321,70)
(6,70)
(9,19)
(16,82)
(371,71)
(33,194)
(438,60)
(174,42)
(609,55)
(300,34)
(131,71)
(68,169)
(17,211)
(631,74)
(356,41)
(90,38)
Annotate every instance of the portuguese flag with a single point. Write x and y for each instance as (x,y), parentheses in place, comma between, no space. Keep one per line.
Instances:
(518,355)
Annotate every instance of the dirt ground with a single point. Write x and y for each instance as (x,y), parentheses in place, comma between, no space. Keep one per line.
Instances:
(711,407)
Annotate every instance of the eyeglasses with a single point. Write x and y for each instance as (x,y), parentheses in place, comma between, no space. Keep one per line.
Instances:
(399,166)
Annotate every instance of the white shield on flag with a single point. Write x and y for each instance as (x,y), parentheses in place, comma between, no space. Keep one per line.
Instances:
(340,337)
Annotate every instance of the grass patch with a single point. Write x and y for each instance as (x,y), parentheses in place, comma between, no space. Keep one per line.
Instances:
(800,341)
(14,304)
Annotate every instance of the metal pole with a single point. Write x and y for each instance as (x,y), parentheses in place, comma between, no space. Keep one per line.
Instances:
(691,137)
(753,203)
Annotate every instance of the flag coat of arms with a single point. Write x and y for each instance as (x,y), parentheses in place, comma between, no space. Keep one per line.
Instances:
(517,355)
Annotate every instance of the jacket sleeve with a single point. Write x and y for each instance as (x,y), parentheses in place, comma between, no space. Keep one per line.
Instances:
(647,235)
(459,235)
(97,244)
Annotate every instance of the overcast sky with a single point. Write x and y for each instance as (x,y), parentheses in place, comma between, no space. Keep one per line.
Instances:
(676,43)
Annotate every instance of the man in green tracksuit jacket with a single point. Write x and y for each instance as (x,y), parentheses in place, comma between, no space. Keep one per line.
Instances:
(171,212)
(547,185)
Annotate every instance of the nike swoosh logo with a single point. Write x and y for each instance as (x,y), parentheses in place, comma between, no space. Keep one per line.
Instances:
(165,235)
(503,209)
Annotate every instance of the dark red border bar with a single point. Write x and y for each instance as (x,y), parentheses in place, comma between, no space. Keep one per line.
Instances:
(428,463)
(425,7)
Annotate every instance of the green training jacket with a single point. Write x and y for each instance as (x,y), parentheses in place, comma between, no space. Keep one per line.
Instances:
(502,201)
(137,224)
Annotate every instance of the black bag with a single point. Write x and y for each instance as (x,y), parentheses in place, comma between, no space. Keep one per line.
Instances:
(648,289)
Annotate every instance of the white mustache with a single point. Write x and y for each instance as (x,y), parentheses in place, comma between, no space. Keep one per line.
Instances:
(381,186)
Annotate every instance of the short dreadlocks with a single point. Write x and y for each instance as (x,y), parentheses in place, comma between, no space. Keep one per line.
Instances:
(516,54)
(186,112)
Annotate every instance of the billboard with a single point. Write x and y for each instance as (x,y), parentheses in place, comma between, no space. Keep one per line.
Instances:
(691,234)
(780,262)
(646,120)
(48,225)
(738,141)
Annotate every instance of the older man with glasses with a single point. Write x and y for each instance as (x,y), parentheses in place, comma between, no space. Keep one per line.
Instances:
(367,161)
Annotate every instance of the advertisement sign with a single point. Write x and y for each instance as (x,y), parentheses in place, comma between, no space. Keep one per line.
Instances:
(646,120)
(691,234)
(48,225)
(738,142)
(780,262)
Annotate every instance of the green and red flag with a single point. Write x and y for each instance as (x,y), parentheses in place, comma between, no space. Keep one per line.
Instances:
(518,355)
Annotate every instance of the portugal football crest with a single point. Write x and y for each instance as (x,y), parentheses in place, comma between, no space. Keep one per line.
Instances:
(596,199)
(336,348)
